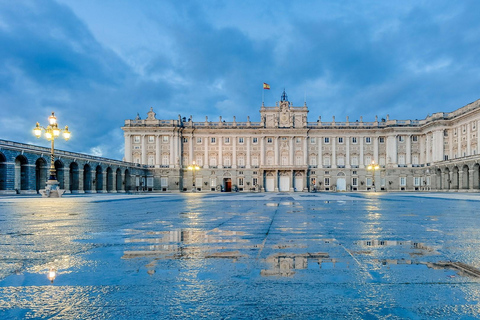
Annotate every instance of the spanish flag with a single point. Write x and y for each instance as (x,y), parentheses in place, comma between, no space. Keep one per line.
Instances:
(266,86)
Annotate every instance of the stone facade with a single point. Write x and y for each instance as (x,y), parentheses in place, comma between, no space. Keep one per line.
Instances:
(24,169)
(286,152)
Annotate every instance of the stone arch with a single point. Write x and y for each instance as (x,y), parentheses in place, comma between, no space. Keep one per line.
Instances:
(447,181)
(465,177)
(128,181)
(476,176)
(109,179)
(60,170)
(21,173)
(74,177)
(341,174)
(438,181)
(455,178)
(119,181)
(99,179)
(41,174)
(3,172)
(87,178)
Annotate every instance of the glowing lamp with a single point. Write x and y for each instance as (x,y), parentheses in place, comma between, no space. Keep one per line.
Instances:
(66,133)
(52,119)
(52,274)
(37,131)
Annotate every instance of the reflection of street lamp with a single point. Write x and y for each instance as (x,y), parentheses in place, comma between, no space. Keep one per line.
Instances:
(373,167)
(51,132)
(52,274)
(193,168)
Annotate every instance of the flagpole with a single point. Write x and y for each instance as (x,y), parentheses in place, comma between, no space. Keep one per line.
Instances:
(263,96)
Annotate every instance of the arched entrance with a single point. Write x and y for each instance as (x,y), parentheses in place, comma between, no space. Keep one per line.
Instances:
(3,172)
(87,178)
(59,169)
(298,183)
(476,176)
(99,179)
(109,179)
(455,178)
(465,177)
(74,181)
(284,181)
(21,173)
(128,181)
(341,182)
(270,182)
(438,179)
(119,180)
(41,171)
(446,179)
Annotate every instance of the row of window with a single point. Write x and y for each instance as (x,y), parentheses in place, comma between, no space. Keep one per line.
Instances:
(241,140)
(213,182)
(417,181)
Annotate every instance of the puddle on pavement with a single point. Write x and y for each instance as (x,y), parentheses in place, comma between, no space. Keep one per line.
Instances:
(285,265)
(185,244)
(460,268)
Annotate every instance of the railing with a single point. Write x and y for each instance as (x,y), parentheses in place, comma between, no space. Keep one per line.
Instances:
(38,149)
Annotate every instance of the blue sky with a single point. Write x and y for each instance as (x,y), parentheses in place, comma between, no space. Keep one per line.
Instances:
(97,63)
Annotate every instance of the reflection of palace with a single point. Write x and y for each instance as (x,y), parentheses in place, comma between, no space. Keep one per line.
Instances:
(285,264)
(182,243)
(382,243)
(286,152)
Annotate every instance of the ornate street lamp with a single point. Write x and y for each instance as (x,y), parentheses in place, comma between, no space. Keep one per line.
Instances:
(372,167)
(51,132)
(194,168)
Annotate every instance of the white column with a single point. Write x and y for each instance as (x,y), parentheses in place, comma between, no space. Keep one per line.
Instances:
(422,141)
(477,123)
(128,147)
(305,154)
(459,141)
(144,149)
(262,151)
(361,160)
(275,141)
(427,148)
(158,151)
(375,149)
(392,150)
(469,149)
(320,159)
(234,151)
(176,139)
(172,151)
(408,151)
(206,164)
(220,152)
(291,159)
(347,152)
(438,146)
(190,151)
(334,152)
(450,144)
(247,161)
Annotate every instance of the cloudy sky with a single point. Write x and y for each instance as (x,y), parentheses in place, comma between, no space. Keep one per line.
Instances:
(97,63)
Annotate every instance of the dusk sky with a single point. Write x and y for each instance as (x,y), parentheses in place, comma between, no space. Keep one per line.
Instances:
(97,63)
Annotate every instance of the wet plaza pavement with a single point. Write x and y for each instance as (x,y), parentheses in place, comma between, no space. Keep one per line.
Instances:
(241,256)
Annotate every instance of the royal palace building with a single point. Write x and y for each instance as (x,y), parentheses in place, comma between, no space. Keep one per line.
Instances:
(286,152)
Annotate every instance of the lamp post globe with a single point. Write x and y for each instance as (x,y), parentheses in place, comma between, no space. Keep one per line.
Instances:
(373,167)
(52,131)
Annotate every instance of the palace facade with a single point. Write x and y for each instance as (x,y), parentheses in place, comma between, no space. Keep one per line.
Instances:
(286,152)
